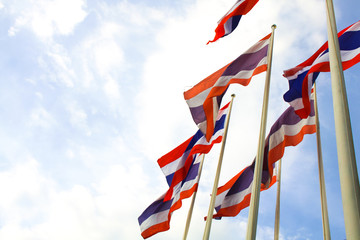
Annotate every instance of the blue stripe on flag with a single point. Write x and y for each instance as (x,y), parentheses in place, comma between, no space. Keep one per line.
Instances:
(155,207)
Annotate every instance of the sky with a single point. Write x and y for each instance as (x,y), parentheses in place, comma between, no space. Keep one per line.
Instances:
(92,95)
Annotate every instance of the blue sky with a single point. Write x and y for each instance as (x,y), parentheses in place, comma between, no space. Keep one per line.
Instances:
(92,96)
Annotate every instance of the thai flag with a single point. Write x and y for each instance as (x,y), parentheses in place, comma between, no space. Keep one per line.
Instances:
(229,22)
(181,169)
(302,77)
(205,97)
(156,218)
(288,130)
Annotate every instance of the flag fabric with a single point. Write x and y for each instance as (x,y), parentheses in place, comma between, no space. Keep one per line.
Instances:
(288,130)
(302,77)
(205,97)
(230,20)
(176,163)
(156,218)
(181,169)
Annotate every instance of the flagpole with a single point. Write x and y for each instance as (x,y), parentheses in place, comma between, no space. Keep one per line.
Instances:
(255,190)
(217,176)
(277,209)
(188,219)
(349,179)
(324,208)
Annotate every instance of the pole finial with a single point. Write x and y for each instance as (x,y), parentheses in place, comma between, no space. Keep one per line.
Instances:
(273,26)
(233,95)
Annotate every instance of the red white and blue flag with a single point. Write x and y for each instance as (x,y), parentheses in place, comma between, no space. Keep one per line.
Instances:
(181,169)
(302,77)
(205,97)
(288,130)
(230,20)
(156,218)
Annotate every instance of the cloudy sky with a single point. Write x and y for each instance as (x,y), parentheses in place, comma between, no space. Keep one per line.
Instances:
(92,95)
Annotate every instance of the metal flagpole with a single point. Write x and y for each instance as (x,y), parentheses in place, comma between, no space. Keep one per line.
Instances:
(277,209)
(324,209)
(217,176)
(188,219)
(349,179)
(255,190)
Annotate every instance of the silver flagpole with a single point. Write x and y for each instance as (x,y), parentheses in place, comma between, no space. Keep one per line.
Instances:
(217,176)
(324,208)
(188,219)
(255,190)
(349,179)
(277,208)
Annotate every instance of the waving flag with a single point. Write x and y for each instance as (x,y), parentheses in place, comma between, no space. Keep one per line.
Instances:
(205,97)
(156,218)
(288,130)
(181,168)
(176,163)
(302,77)
(229,22)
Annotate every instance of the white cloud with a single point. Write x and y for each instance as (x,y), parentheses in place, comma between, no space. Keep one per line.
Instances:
(62,65)
(47,17)
(12,31)
(103,51)
(107,52)
(111,89)
(34,207)
(56,63)
(100,62)
(138,16)
(78,117)
(24,179)
(39,95)
(40,117)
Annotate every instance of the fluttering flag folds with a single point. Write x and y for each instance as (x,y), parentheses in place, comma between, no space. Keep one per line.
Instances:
(205,97)
(181,169)
(230,20)
(288,130)
(302,77)
(156,218)
(175,165)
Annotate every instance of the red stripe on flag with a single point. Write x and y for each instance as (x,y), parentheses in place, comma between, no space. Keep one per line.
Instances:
(277,152)
(205,83)
(234,210)
(173,154)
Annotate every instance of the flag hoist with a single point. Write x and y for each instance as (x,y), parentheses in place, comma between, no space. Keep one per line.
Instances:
(349,179)
(255,196)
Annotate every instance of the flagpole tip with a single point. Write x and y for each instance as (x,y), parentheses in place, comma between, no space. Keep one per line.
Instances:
(273,26)
(233,95)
